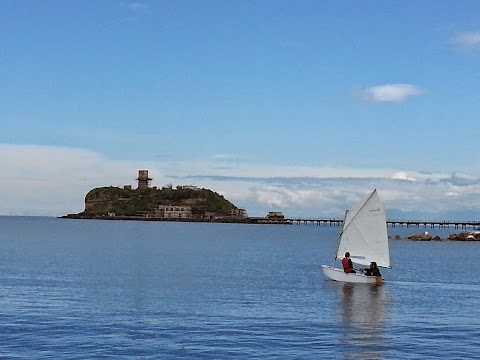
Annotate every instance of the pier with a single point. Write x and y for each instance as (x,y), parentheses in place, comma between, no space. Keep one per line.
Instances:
(443,224)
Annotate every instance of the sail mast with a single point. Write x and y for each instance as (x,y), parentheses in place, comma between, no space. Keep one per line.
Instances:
(339,238)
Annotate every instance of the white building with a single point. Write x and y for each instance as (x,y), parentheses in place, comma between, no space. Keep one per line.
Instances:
(174,212)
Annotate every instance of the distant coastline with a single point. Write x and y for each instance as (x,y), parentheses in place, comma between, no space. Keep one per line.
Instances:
(425,236)
(227,220)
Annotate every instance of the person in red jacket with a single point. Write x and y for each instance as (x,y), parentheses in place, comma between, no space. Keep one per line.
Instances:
(347,264)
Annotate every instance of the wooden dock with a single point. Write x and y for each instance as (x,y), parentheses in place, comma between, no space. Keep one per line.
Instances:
(394,223)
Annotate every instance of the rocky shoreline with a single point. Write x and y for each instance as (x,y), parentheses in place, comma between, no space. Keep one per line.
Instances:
(425,236)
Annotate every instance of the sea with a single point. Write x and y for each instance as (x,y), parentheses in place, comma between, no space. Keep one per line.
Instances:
(86,289)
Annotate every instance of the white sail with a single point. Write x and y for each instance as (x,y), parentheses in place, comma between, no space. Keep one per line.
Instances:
(364,233)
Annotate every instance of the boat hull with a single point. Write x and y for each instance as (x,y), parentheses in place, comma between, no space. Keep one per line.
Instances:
(339,275)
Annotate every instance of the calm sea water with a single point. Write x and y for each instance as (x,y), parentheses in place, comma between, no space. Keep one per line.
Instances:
(72,289)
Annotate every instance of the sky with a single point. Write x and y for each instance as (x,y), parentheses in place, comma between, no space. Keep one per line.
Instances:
(299,106)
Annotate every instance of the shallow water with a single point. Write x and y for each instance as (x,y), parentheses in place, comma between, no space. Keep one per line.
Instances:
(72,289)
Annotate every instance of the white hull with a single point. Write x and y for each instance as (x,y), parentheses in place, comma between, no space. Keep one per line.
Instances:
(339,275)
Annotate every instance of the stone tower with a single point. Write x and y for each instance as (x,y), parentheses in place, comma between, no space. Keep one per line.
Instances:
(143,179)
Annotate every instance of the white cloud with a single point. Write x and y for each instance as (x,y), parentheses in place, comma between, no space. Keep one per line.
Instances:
(255,170)
(43,180)
(467,40)
(452,193)
(402,175)
(391,93)
(227,157)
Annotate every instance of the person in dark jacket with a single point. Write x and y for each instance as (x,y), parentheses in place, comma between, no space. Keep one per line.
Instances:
(347,264)
(373,270)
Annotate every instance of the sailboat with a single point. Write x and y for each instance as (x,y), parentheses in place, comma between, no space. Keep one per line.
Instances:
(364,236)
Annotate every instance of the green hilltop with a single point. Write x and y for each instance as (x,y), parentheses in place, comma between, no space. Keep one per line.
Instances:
(106,201)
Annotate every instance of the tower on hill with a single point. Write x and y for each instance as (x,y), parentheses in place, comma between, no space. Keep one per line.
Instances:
(143,179)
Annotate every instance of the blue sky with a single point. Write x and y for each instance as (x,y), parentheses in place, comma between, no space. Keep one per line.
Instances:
(294,106)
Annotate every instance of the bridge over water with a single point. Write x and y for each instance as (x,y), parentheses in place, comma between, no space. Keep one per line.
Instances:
(393,223)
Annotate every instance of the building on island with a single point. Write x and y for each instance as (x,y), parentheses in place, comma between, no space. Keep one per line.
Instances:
(238,213)
(277,215)
(173,212)
(187,187)
(143,179)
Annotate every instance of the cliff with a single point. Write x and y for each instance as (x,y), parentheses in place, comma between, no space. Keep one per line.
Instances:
(109,201)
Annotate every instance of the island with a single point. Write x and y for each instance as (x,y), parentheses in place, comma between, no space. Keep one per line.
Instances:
(186,203)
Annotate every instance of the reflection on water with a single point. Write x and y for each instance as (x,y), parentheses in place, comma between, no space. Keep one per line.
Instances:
(363,310)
